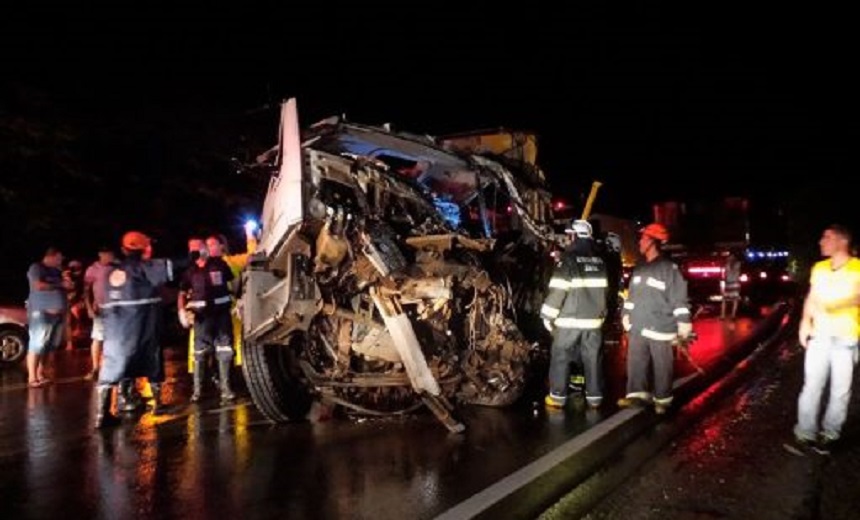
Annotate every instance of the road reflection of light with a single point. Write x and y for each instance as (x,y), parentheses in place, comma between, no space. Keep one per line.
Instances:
(242,437)
(191,476)
(116,464)
(714,438)
(715,337)
(39,466)
(146,437)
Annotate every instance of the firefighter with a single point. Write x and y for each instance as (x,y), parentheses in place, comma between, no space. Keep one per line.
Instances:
(655,315)
(131,320)
(205,292)
(574,312)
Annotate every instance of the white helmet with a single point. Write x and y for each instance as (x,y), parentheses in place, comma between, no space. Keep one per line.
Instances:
(613,242)
(580,228)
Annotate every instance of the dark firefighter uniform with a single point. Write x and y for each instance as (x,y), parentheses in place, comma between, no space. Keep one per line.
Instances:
(574,311)
(655,314)
(237,263)
(210,300)
(132,318)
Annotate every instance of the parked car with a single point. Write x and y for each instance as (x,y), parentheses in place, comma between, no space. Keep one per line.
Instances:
(13,333)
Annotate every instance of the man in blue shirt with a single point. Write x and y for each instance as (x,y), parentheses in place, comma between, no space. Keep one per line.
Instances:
(46,308)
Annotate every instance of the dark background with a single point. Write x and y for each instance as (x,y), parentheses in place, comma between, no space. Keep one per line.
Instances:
(128,117)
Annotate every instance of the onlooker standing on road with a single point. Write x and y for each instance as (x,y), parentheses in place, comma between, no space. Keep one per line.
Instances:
(46,310)
(731,286)
(829,330)
(656,314)
(95,280)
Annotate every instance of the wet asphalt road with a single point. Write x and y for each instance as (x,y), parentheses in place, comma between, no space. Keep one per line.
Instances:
(733,463)
(208,461)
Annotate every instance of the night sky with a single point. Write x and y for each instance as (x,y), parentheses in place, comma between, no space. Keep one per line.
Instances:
(141,110)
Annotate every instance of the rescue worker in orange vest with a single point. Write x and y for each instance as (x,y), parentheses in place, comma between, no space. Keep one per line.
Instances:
(574,311)
(131,316)
(655,314)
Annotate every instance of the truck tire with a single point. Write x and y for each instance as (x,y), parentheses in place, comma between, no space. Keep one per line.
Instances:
(13,344)
(275,381)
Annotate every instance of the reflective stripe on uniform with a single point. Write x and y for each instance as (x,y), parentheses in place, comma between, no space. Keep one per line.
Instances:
(549,311)
(222,300)
(659,336)
(663,400)
(588,282)
(577,283)
(222,348)
(655,283)
(629,305)
(559,283)
(195,304)
(578,323)
(681,311)
(130,303)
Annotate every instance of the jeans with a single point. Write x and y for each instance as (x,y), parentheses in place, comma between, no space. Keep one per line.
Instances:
(826,358)
(45,330)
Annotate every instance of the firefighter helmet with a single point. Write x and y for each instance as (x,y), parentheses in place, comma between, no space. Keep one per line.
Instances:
(656,231)
(135,241)
(580,228)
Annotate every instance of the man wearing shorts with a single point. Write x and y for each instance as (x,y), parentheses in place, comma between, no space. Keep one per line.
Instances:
(94,282)
(46,308)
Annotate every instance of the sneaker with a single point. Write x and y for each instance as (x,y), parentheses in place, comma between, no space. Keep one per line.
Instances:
(826,443)
(801,446)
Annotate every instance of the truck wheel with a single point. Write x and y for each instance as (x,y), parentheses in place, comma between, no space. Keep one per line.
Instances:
(275,381)
(13,344)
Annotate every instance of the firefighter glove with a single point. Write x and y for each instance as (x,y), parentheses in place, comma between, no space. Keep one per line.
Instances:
(685,330)
(625,322)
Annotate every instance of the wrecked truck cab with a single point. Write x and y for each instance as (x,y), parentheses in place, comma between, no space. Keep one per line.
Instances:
(389,274)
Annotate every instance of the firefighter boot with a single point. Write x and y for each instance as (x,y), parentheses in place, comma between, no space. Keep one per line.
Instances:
(224,377)
(157,406)
(126,401)
(104,417)
(199,366)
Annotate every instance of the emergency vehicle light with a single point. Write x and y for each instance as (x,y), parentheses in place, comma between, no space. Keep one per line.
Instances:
(705,270)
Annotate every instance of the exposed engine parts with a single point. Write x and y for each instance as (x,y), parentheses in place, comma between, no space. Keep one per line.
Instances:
(390,276)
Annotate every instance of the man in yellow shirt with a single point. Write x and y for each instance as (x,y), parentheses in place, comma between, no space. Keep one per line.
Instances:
(829,331)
